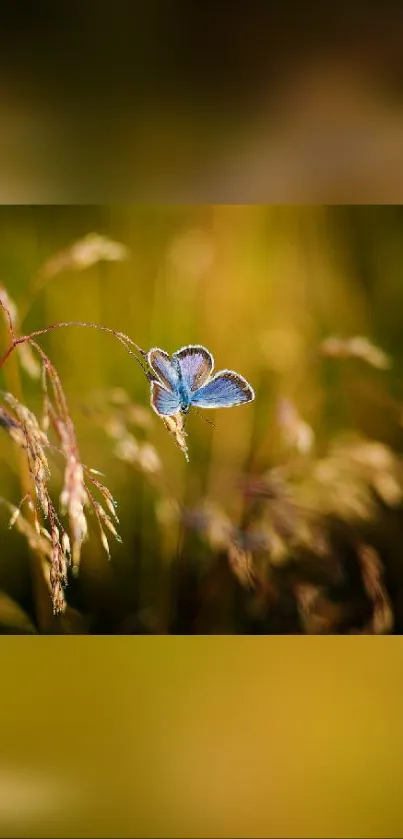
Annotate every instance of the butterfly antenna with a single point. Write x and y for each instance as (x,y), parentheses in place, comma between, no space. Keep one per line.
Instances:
(210,422)
(149,376)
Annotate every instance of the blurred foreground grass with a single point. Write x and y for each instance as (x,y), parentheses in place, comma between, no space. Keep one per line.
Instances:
(288,517)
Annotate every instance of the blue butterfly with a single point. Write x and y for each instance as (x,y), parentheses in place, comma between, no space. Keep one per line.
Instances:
(186,379)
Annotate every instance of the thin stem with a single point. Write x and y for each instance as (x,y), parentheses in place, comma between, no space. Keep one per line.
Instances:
(124,339)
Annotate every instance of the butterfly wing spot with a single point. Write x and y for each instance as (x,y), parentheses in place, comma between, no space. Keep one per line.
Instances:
(224,390)
(163,368)
(196,365)
(164,402)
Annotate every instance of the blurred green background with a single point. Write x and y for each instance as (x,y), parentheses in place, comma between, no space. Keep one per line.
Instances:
(261,287)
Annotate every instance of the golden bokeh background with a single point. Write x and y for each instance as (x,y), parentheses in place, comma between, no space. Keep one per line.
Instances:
(201,737)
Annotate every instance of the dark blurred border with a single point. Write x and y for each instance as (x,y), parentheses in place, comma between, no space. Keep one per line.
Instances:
(178,102)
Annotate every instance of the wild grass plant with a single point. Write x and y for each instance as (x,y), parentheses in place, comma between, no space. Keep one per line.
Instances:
(291,537)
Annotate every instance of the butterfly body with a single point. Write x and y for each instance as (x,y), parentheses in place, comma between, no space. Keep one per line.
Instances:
(184,393)
(185,379)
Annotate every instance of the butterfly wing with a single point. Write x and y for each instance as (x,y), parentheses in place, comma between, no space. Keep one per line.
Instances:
(196,365)
(163,368)
(224,390)
(165,402)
